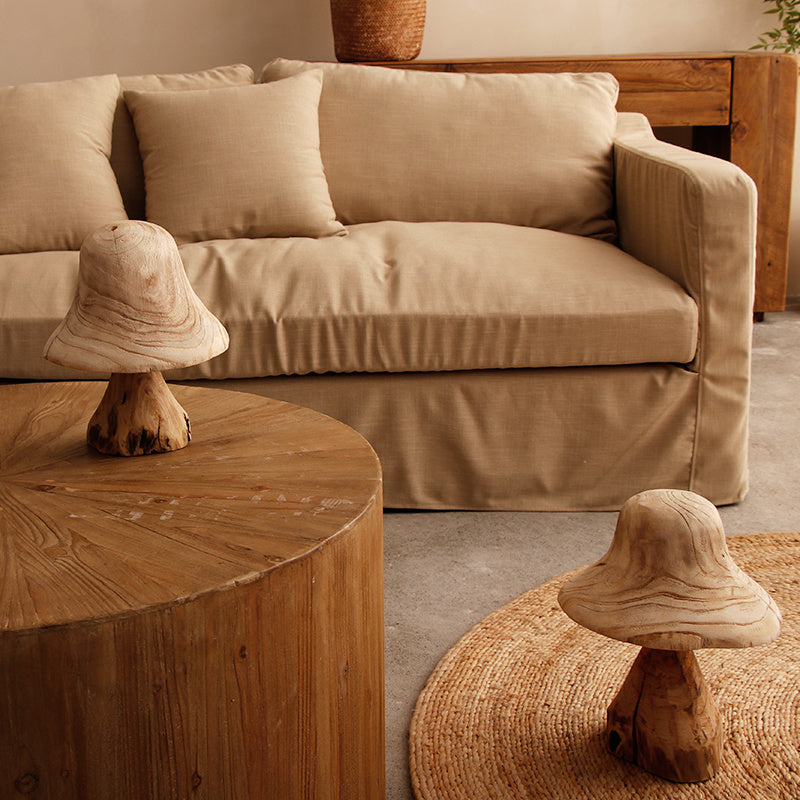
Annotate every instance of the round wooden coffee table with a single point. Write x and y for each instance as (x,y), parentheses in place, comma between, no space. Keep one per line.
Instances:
(205,623)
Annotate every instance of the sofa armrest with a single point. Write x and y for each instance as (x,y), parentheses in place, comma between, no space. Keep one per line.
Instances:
(689,215)
(693,217)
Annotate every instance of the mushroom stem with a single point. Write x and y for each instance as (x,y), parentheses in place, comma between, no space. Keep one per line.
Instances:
(664,718)
(138,415)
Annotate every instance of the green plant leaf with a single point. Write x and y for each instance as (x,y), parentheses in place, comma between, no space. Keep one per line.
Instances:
(786,36)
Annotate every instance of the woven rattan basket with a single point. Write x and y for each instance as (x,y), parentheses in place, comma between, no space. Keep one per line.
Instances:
(377,30)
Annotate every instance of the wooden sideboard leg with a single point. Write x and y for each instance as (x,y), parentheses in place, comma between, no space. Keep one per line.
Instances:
(763,103)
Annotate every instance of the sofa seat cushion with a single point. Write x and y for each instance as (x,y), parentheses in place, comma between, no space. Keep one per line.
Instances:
(391,297)
(405,297)
(36,290)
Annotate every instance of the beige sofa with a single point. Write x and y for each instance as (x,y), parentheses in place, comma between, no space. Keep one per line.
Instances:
(521,299)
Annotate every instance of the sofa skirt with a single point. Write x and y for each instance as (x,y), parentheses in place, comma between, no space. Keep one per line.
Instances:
(543,439)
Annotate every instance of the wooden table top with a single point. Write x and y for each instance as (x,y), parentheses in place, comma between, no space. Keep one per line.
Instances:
(86,537)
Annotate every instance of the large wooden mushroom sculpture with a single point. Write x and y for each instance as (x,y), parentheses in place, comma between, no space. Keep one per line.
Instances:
(669,584)
(135,314)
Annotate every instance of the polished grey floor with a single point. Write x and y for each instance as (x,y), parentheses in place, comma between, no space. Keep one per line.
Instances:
(446,571)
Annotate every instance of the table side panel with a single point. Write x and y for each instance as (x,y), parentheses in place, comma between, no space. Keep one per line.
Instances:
(170,652)
(272,689)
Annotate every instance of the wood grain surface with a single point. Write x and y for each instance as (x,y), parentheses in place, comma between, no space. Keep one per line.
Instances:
(668,583)
(203,623)
(668,580)
(138,415)
(665,719)
(134,309)
(670,90)
(762,144)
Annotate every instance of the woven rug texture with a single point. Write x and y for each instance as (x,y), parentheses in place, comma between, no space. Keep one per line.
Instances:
(517,708)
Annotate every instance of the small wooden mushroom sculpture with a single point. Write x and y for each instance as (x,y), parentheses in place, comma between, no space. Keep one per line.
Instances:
(135,314)
(669,584)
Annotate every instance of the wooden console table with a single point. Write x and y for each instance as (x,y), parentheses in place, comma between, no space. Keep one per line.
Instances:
(742,106)
(204,623)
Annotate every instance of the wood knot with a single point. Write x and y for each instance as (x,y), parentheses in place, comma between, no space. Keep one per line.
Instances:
(27,783)
(739,130)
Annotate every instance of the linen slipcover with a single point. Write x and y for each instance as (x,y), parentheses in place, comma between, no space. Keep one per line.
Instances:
(693,218)
(404,297)
(532,150)
(585,438)
(541,439)
(56,181)
(125,158)
(233,162)
(509,436)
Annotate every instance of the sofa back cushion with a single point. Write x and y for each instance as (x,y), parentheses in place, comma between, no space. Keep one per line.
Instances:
(237,162)
(125,158)
(56,181)
(529,149)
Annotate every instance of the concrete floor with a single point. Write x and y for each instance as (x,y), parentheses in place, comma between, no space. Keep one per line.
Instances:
(445,571)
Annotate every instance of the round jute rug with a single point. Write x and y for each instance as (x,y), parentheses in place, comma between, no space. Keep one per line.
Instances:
(517,708)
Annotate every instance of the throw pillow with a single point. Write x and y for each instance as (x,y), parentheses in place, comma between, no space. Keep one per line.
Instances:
(523,149)
(237,162)
(56,181)
(125,158)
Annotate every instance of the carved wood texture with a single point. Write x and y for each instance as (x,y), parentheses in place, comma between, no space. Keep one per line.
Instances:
(138,415)
(665,719)
(134,308)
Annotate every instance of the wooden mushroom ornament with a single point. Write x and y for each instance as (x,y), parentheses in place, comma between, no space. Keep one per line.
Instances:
(669,584)
(135,314)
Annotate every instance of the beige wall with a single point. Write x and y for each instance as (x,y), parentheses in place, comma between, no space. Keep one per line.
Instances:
(51,39)
(54,39)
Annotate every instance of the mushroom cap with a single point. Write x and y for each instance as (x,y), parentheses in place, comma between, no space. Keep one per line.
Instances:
(134,309)
(668,581)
